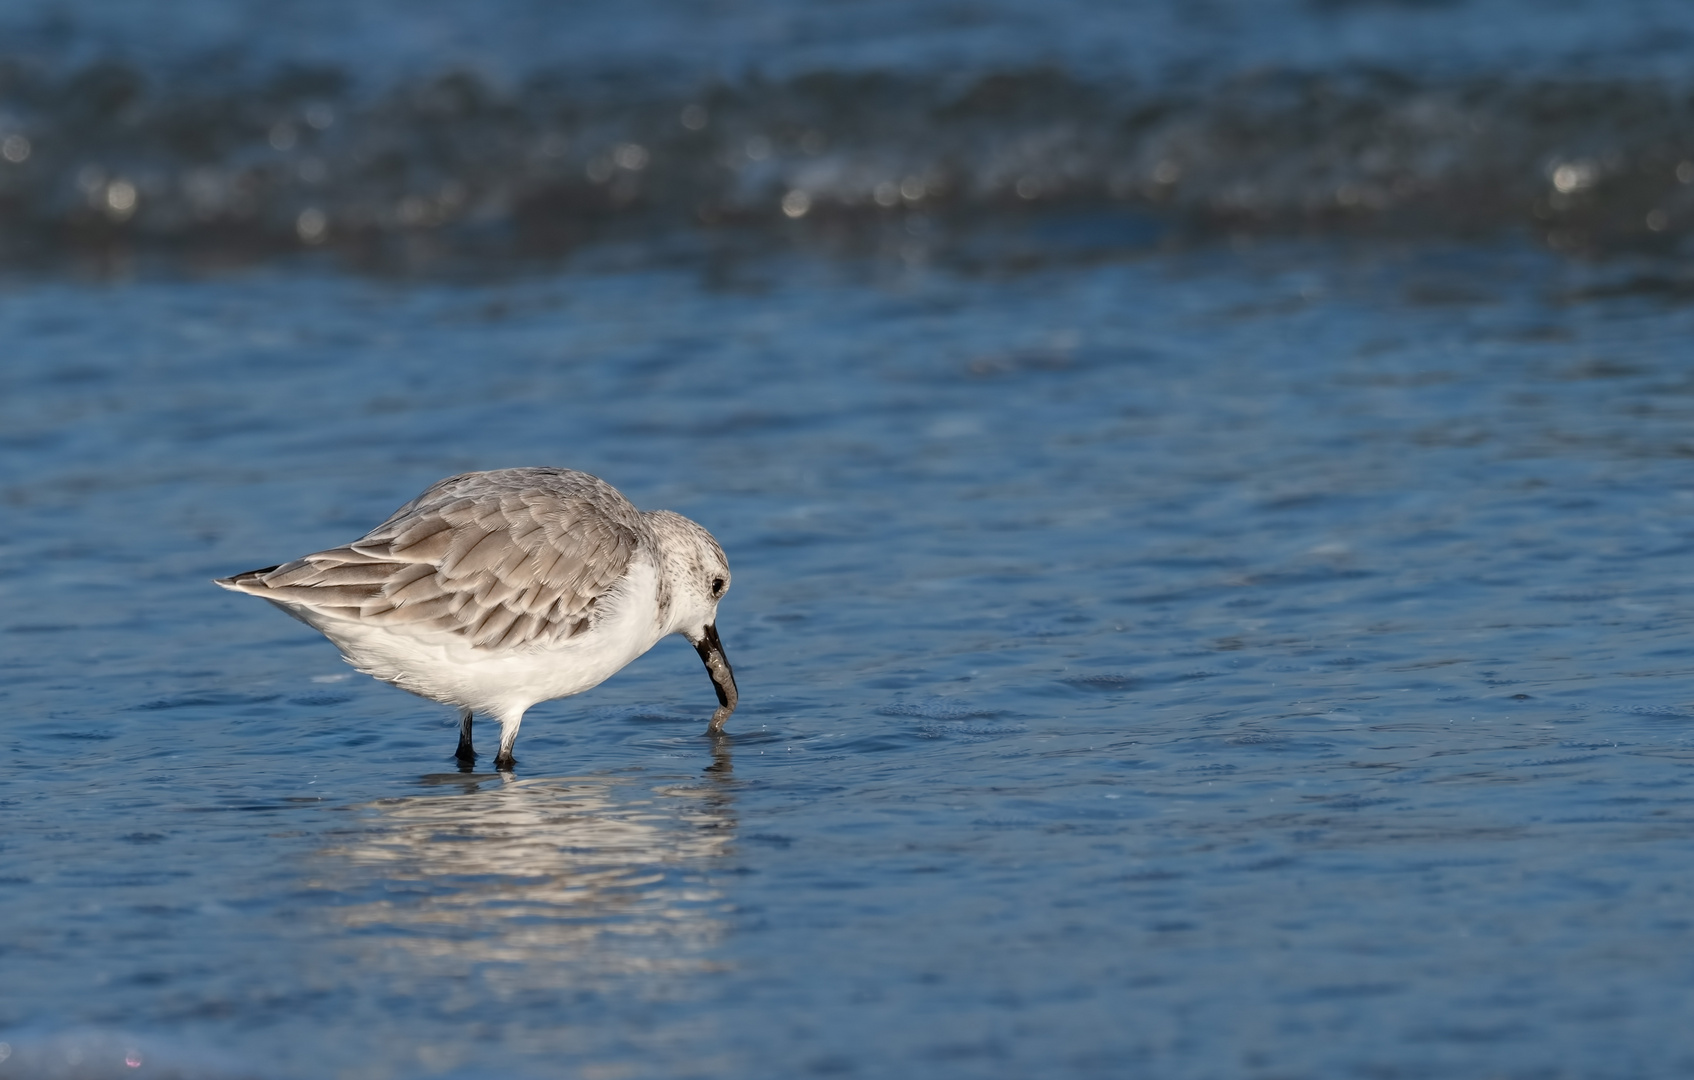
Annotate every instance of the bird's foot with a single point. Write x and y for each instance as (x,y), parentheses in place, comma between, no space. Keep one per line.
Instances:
(504,762)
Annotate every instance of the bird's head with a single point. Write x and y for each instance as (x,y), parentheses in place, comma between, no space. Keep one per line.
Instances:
(697,574)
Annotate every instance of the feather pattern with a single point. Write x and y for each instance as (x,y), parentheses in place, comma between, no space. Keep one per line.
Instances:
(504,559)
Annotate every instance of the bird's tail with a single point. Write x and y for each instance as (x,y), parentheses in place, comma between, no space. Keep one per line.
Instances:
(250,582)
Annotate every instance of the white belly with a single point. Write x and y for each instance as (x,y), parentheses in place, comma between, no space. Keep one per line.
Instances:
(444,667)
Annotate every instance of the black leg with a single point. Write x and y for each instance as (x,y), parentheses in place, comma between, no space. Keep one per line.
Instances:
(465,751)
(508,736)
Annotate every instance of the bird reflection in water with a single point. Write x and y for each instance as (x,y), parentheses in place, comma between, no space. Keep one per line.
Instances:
(540,883)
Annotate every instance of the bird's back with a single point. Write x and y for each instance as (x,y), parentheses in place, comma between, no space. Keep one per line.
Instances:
(501,560)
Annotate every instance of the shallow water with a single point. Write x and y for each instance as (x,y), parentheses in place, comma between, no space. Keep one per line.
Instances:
(1260,662)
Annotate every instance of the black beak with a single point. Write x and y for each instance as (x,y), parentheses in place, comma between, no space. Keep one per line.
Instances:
(723,679)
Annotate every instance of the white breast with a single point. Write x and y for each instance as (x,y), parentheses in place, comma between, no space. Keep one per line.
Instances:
(444,667)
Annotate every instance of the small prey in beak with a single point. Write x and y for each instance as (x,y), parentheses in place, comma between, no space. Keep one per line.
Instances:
(723,679)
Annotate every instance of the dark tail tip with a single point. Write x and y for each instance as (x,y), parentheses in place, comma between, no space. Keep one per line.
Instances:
(239,582)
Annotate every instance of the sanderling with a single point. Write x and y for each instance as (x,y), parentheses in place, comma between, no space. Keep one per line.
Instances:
(496,590)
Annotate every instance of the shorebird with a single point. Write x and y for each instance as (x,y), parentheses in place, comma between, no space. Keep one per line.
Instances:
(493,591)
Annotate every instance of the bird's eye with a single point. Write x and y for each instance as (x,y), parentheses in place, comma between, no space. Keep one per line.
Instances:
(717,586)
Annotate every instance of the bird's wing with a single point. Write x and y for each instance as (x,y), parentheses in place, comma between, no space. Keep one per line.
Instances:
(500,563)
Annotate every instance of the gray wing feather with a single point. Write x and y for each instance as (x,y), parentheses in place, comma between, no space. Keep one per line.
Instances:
(511,557)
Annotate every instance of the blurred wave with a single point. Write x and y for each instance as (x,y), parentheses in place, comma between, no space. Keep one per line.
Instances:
(520,126)
(111,153)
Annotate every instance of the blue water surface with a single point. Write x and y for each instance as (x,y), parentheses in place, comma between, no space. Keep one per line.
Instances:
(1266,661)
